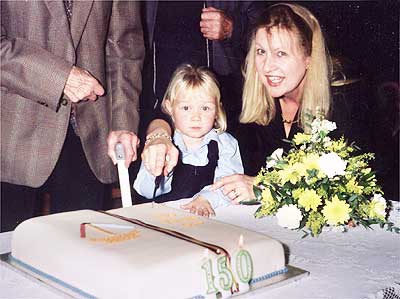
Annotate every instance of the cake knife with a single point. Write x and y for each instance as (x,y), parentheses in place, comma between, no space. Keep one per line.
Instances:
(157,183)
(123,175)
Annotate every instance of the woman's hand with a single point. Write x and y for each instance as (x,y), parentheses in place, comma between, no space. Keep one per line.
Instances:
(199,206)
(160,156)
(238,187)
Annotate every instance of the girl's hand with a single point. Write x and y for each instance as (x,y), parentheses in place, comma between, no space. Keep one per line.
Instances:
(238,187)
(199,206)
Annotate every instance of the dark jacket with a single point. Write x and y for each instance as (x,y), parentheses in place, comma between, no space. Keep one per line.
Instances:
(228,54)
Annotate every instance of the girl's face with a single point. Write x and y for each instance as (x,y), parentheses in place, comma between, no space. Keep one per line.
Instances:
(193,113)
(280,62)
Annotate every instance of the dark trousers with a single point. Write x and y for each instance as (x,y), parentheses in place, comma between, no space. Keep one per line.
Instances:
(71,185)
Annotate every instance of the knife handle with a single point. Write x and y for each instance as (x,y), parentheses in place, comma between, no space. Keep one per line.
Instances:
(119,151)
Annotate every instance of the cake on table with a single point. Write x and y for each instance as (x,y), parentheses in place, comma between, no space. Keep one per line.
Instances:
(145,251)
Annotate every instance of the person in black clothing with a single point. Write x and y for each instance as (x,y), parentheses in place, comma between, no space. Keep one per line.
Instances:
(287,76)
(386,128)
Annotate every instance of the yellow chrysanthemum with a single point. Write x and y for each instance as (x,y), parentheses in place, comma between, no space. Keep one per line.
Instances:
(296,193)
(309,199)
(336,211)
(289,174)
(377,207)
(300,169)
(268,202)
(301,138)
(353,187)
(311,161)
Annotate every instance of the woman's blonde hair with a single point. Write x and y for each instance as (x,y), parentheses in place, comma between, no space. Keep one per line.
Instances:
(189,79)
(258,105)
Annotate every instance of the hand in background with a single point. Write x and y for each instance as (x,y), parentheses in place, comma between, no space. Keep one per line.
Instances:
(238,187)
(81,85)
(129,141)
(160,156)
(199,206)
(215,24)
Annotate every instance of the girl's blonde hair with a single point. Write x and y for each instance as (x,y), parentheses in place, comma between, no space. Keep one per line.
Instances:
(258,106)
(189,79)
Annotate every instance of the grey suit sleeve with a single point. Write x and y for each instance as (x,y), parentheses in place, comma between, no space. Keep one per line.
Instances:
(125,54)
(32,72)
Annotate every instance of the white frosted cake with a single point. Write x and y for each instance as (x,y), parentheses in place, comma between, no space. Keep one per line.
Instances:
(159,252)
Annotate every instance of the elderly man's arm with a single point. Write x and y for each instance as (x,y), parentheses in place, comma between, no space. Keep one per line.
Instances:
(125,54)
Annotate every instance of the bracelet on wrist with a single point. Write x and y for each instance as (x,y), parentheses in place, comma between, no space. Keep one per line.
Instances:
(157,135)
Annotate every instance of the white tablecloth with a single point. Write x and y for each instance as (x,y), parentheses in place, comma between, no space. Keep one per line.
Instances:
(353,265)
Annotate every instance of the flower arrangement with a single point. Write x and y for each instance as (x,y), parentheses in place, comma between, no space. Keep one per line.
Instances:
(320,182)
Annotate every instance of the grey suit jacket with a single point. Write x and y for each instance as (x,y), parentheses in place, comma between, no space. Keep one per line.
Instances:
(38,49)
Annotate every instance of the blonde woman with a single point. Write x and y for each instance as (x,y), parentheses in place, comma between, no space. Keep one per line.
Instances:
(207,152)
(287,75)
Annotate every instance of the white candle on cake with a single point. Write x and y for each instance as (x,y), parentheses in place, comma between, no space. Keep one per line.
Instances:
(224,277)
(208,281)
(243,267)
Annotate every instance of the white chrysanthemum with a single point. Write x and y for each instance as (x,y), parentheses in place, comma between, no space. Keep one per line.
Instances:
(315,126)
(328,126)
(322,125)
(331,164)
(379,204)
(275,156)
(289,216)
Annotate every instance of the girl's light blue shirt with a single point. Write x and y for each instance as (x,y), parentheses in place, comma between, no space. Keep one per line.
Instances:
(229,162)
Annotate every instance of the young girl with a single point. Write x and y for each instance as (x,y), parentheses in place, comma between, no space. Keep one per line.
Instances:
(207,152)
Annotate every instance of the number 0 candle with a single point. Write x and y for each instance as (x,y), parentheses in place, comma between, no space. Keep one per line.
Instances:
(243,267)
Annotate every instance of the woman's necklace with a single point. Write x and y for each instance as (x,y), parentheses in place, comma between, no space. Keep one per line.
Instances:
(288,121)
(290,108)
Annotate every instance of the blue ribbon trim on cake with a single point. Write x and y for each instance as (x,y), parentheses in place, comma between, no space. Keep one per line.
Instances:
(268,276)
(86,295)
(51,278)
(256,280)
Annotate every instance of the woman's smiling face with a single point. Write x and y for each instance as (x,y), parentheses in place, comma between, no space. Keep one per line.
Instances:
(280,62)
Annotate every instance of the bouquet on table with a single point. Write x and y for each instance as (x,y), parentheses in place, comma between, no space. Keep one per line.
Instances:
(320,182)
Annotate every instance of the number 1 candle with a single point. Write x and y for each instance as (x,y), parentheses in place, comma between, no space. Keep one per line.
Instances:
(211,290)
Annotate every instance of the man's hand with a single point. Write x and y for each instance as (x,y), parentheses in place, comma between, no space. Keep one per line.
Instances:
(81,85)
(215,24)
(130,142)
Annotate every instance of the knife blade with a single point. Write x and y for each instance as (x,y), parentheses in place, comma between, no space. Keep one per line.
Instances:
(157,183)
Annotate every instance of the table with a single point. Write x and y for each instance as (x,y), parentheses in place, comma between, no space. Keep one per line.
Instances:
(353,265)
